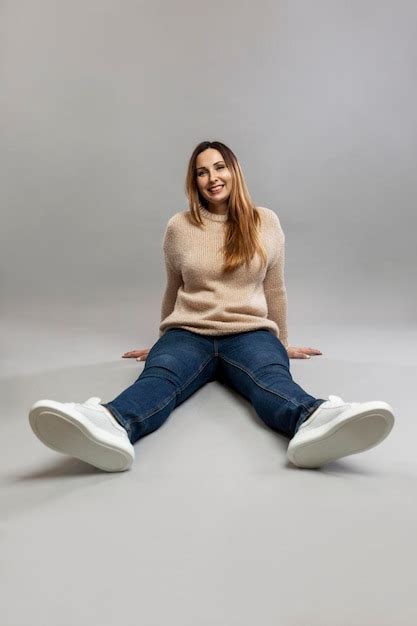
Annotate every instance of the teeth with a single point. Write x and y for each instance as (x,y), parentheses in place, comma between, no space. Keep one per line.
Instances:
(215,188)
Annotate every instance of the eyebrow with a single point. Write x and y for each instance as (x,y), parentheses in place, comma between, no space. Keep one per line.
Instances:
(204,168)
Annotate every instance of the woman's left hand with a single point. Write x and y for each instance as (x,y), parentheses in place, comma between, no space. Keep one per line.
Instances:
(302,352)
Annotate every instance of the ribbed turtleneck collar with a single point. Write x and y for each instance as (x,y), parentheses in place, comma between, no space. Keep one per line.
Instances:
(214,217)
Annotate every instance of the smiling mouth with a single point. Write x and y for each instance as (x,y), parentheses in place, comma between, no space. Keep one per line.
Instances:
(216,189)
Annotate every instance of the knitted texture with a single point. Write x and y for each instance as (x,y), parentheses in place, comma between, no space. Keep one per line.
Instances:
(199,298)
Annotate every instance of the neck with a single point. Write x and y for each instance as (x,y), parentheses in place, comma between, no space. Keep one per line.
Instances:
(218,209)
(213,217)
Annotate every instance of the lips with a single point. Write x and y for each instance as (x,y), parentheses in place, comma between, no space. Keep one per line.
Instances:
(216,188)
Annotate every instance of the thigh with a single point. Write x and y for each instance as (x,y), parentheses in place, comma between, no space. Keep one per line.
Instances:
(255,357)
(181,357)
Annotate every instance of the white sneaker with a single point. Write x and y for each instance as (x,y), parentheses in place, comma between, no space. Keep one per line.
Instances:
(86,431)
(337,429)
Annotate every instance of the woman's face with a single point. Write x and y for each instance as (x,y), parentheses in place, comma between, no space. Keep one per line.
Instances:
(214,180)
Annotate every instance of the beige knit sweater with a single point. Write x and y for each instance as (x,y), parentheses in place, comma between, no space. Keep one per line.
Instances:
(198,298)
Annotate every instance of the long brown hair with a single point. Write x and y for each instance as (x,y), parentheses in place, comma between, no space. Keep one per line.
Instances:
(242,239)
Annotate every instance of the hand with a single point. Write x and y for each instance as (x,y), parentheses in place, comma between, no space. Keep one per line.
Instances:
(139,355)
(302,352)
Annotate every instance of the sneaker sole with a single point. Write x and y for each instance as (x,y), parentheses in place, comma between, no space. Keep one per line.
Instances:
(70,432)
(353,431)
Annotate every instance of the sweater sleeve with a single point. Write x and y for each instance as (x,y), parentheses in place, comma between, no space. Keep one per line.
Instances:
(275,289)
(173,274)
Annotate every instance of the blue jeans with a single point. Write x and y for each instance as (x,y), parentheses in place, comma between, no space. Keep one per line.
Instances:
(254,363)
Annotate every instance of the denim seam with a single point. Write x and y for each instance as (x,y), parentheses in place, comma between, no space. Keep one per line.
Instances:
(135,420)
(117,416)
(261,386)
(304,418)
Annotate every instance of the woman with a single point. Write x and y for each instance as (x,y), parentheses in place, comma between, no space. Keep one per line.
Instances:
(223,317)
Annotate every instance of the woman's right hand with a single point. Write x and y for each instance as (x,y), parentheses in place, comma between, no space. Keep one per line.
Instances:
(139,355)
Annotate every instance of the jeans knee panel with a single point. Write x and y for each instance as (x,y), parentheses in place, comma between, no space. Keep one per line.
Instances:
(255,380)
(171,397)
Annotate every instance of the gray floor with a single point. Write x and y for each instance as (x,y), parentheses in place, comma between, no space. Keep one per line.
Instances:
(212,525)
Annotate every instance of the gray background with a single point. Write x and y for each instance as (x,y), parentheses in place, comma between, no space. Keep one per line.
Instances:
(102,104)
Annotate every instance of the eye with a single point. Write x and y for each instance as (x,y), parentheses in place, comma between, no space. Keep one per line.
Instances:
(219,167)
